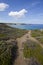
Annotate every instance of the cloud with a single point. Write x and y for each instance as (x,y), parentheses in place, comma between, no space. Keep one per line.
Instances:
(3,6)
(18,14)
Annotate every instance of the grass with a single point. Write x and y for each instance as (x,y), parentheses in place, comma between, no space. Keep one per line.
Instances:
(38,34)
(18,32)
(32,49)
(41,40)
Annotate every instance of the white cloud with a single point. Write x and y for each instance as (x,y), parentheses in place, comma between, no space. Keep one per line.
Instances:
(3,6)
(18,14)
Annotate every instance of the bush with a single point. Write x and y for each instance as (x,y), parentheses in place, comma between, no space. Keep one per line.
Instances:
(8,53)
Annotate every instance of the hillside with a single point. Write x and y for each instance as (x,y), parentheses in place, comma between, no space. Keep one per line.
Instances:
(8,44)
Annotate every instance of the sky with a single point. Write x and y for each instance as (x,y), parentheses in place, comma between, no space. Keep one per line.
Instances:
(21,11)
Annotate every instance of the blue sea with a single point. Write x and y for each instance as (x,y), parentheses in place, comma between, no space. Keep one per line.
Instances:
(27,26)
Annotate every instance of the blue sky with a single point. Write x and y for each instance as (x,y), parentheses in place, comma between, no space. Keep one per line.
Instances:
(21,11)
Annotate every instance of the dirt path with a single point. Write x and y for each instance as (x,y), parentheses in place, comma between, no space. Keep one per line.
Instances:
(35,40)
(20,59)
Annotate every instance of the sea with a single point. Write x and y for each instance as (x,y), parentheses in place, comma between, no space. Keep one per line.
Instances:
(27,26)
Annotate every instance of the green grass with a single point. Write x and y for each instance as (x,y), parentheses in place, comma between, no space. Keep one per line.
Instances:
(38,35)
(32,49)
(19,33)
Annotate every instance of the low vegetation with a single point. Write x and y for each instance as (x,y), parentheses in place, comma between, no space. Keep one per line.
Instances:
(9,50)
(8,32)
(38,34)
(8,53)
(33,50)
